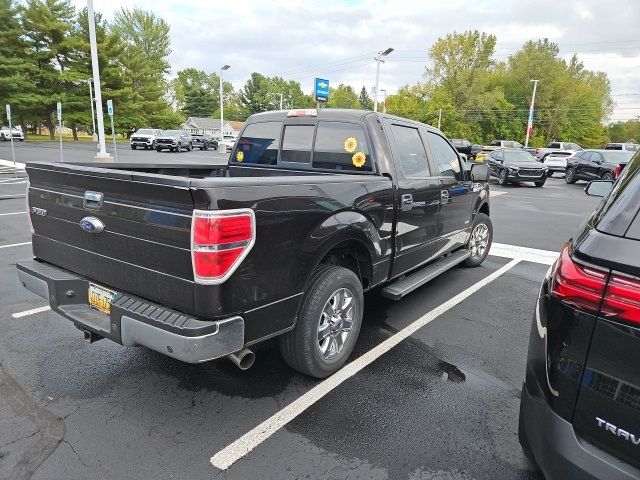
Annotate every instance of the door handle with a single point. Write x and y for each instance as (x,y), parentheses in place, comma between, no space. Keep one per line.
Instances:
(407,202)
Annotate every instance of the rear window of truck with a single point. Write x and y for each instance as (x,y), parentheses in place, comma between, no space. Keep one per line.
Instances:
(329,145)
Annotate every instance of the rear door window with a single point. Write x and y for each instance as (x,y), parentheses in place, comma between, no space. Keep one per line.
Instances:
(412,155)
(341,146)
(296,143)
(259,144)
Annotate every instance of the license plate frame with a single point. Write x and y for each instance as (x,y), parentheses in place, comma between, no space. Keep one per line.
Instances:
(100,298)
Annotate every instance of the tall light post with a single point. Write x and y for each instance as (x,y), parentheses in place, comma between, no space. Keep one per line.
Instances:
(530,121)
(222,69)
(384,100)
(93,114)
(379,60)
(102,153)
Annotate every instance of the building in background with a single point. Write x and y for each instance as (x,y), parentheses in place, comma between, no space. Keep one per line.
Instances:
(201,125)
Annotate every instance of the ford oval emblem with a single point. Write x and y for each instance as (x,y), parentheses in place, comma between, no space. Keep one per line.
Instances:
(91,225)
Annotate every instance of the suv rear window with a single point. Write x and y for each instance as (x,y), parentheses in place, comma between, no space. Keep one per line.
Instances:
(341,146)
(259,144)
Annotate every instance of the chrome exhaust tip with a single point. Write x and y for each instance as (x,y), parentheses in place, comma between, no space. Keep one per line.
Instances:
(243,359)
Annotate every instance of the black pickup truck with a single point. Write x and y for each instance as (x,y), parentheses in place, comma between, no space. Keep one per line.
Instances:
(200,262)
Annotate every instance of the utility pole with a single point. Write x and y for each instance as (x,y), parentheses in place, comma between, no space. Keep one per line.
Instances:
(222,69)
(384,100)
(280,101)
(530,121)
(439,118)
(59,115)
(102,152)
(378,59)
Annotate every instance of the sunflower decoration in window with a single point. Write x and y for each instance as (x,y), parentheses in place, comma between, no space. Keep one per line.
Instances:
(240,156)
(350,145)
(359,159)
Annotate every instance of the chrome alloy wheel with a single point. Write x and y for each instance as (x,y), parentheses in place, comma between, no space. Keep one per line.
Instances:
(336,323)
(479,240)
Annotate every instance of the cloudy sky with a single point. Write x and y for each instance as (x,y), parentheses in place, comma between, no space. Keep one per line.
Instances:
(337,40)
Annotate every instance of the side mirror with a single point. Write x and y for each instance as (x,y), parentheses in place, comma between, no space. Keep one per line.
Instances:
(479,172)
(598,188)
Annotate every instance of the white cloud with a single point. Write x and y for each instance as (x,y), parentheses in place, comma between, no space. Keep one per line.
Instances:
(339,38)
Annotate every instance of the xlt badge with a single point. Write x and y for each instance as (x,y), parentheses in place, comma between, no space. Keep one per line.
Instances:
(618,432)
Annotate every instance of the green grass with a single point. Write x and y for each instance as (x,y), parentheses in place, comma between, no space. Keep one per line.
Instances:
(69,138)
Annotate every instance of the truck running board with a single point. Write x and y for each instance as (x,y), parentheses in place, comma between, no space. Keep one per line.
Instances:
(408,284)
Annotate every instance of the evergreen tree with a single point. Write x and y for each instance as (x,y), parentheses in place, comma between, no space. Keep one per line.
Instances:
(365,100)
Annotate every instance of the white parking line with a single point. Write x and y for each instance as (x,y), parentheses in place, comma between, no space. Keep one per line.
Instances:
(526,254)
(33,311)
(12,213)
(250,440)
(15,245)
(14,183)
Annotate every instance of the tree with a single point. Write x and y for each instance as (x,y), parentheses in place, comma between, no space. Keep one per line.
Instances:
(47,26)
(343,97)
(628,131)
(365,100)
(144,61)
(262,93)
(15,63)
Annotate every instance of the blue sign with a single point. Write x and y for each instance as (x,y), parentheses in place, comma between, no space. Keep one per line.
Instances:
(322,90)
(110,107)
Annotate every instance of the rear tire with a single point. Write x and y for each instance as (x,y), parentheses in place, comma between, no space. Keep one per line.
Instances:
(607,176)
(158,149)
(570,176)
(328,323)
(479,241)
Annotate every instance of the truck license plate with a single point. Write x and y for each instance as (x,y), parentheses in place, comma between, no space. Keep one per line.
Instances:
(100,298)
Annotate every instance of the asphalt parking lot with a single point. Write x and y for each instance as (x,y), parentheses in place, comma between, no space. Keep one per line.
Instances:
(432,391)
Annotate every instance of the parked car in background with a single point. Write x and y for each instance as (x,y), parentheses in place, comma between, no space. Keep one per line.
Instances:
(463,146)
(228,141)
(580,404)
(494,145)
(509,165)
(625,147)
(563,148)
(174,141)
(145,138)
(556,162)
(594,164)
(204,141)
(6,134)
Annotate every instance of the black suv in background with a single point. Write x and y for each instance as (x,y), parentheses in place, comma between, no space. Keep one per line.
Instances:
(580,409)
(204,141)
(516,165)
(595,164)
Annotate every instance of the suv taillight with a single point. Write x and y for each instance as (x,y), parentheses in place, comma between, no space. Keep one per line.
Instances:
(220,240)
(578,285)
(622,298)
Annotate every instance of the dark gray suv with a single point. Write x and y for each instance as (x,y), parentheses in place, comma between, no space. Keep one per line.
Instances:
(174,141)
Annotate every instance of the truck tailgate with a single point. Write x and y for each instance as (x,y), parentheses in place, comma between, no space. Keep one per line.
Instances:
(145,246)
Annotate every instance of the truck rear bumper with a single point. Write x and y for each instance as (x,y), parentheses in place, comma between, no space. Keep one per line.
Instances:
(133,321)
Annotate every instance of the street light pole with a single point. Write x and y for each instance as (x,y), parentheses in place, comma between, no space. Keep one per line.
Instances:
(93,115)
(102,153)
(379,60)
(222,69)
(384,100)
(530,121)
(280,101)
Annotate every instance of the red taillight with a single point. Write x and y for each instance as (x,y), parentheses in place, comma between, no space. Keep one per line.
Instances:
(578,285)
(537,151)
(220,240)
(622,298)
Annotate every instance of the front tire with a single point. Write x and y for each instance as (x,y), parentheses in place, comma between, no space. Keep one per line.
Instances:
(503,177)
(539,183)
(549,174)
(570,176)
(328,323)
(479,241)
(133,147)
(158,149)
